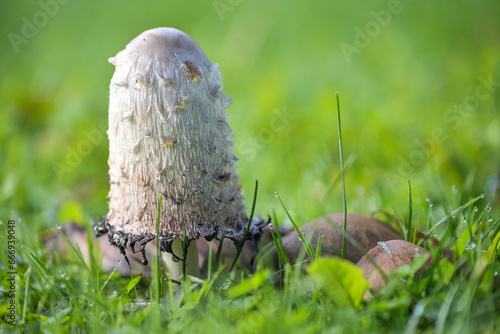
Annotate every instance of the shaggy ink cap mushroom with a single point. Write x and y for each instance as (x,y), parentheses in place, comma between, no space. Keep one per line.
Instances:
(168,135)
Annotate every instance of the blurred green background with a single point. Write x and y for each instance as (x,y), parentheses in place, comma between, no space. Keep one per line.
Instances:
(411,77)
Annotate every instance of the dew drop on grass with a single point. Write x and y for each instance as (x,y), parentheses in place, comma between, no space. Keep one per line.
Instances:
(419,310)
(476,209)
(276,194)
(470,246)
(495,273)
(385,247)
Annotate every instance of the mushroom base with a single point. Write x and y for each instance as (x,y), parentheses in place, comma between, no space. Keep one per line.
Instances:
(189,267)
(123,240)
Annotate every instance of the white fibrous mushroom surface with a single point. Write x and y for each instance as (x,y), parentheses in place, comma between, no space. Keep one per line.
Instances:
(169,135)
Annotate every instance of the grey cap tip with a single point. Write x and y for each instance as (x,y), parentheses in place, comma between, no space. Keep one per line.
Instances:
(162,42)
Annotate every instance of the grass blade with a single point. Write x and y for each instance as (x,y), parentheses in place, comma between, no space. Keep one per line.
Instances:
(451,214)
(303,238)
(445,309)
(241,244)
(278,242)
(158,255)
(318,247)
(410,212)
(326,197)
(210,259)
(218,255)
(342,176)
(184,254)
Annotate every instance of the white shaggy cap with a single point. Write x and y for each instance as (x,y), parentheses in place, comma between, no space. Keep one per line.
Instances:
(168,135)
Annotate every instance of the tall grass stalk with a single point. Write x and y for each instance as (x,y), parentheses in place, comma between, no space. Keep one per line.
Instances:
(242,243)
(158,289)
(342,176)
(410,211)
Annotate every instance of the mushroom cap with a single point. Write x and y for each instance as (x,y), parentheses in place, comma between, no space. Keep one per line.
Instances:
(365,230)
(391,256)
(169,137)
(163,43)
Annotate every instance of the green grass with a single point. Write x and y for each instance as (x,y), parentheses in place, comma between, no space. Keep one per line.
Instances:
(408,151)
(61,293)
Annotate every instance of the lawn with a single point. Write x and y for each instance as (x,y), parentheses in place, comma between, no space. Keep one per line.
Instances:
(419,89)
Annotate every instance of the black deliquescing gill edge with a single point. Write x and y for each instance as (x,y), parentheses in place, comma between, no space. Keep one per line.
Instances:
(123,240)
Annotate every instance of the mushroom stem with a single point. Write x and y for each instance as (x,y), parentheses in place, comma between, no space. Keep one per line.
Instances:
(175,269)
